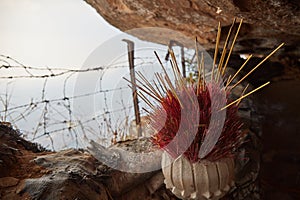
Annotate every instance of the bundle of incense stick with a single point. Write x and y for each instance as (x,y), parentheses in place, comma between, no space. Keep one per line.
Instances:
(173,116)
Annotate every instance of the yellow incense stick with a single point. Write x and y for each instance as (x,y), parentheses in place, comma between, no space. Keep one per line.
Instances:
(245,95)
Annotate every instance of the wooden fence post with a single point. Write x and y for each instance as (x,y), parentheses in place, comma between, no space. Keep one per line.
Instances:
(130,48)
(173,43)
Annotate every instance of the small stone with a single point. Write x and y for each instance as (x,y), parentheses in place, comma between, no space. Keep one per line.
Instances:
(8,182)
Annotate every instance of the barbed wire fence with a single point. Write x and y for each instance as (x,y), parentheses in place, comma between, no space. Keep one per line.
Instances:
(55,123)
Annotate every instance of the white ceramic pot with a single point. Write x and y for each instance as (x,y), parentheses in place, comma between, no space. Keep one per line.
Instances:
(202,180)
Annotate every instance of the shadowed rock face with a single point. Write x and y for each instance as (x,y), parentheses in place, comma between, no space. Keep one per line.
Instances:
(267,23)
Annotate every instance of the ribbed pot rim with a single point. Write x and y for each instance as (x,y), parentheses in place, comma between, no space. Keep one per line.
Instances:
(200,180)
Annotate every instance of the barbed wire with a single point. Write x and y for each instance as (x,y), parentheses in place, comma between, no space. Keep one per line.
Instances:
(56,115)
(65,98)
(54,71)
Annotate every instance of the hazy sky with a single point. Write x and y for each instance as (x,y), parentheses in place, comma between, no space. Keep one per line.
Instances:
(51,32)
(66,34)
(60,33)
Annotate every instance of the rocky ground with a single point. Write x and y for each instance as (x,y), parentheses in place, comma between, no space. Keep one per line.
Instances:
(28,171)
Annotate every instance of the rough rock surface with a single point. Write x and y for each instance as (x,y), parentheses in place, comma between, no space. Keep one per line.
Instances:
(267,23)
(28,171)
